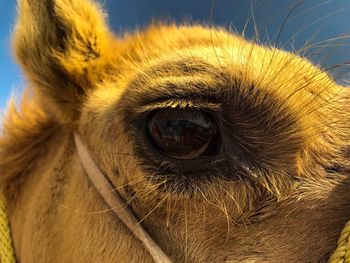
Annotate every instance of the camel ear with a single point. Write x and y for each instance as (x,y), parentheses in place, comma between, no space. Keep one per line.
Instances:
(63,47)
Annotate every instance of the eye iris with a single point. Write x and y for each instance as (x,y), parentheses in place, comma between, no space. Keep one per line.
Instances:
(183,133)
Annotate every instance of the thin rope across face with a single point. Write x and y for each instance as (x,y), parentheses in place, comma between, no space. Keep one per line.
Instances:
(115,202)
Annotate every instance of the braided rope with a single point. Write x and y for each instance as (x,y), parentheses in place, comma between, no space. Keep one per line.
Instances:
(342,252)
(7,254)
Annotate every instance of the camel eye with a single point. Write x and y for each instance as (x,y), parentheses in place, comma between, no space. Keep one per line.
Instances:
(183,133)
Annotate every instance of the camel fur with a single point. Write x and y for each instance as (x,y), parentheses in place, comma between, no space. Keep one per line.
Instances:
(281,117)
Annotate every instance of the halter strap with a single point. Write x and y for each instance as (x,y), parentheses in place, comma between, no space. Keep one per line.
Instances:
(115,202)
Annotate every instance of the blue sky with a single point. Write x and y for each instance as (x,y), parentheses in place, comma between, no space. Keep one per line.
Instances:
(317,19)
(10,75)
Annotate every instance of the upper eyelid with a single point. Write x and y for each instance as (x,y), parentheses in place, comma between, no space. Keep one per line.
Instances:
(181,103)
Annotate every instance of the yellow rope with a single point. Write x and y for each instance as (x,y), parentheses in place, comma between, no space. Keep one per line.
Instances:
(7,254)
(342,252)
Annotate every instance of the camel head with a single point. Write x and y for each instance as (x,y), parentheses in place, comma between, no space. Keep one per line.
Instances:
(224,149)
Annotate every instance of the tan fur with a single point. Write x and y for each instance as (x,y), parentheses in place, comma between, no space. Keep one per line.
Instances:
(291,121)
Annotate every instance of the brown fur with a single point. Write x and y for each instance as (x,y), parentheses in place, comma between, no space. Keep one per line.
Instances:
(285,116)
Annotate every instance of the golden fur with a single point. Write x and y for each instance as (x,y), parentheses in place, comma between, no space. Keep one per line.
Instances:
(287,116)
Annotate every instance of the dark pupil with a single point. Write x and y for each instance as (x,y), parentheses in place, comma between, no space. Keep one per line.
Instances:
(183,133)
